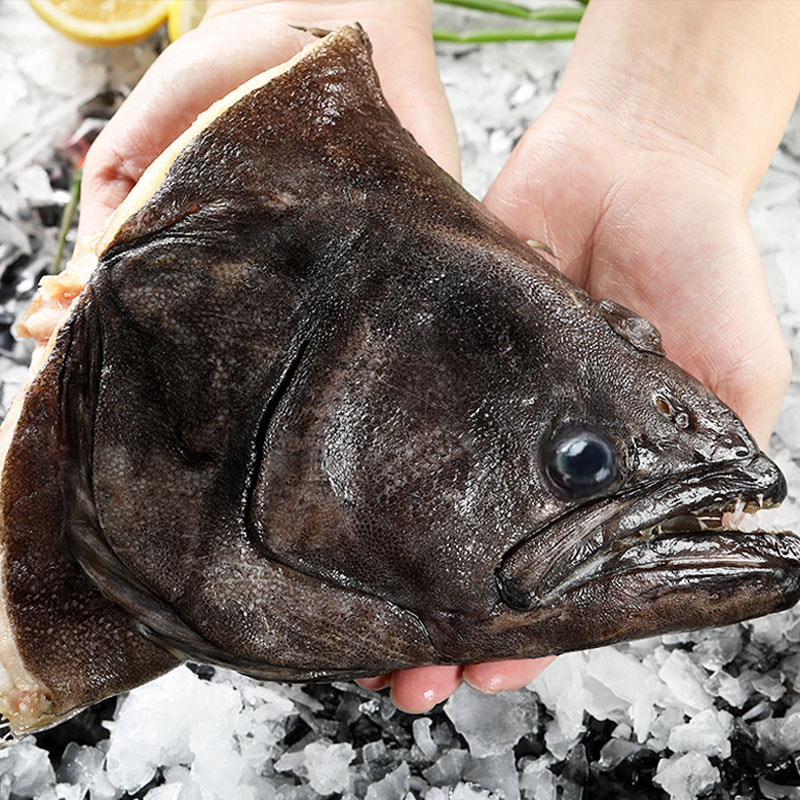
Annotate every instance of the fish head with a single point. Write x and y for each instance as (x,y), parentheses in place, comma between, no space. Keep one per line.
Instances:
(338,420)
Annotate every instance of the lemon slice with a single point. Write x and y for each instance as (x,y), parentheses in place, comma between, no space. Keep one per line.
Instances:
(184,16)
(103,22)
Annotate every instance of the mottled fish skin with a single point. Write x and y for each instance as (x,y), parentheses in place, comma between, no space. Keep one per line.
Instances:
(299,424)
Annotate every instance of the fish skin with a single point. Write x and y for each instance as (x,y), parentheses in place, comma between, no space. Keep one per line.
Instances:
(296,422)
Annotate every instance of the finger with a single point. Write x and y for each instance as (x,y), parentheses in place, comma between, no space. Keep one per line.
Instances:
(502,676)
(419,690)
(376,683)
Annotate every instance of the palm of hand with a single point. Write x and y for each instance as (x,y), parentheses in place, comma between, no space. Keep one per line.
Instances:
(664,235)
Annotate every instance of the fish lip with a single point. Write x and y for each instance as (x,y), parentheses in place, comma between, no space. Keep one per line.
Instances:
(625,531)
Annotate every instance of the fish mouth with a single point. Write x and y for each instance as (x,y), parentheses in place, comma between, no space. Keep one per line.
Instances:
(660,542)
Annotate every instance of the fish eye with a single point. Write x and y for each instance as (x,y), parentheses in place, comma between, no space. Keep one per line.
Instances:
(580,462)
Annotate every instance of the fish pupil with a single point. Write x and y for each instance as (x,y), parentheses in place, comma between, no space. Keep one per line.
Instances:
(581,463)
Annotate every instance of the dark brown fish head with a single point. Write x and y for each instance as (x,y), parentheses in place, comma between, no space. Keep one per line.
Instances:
(342,421)
(316,414)
(645,474)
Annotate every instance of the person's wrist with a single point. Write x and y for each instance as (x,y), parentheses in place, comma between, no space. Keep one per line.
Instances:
(689,79)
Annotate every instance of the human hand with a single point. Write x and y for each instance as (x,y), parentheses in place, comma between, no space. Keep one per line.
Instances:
(664,234)
(639,173)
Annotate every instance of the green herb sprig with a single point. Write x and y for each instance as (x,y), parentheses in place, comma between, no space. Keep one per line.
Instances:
(67,217)
(570,15)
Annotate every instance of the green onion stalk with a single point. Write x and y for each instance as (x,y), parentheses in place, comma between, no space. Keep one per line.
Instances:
(67,218)
(569,15)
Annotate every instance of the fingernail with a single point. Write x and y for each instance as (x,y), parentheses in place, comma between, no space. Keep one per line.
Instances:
(491,688)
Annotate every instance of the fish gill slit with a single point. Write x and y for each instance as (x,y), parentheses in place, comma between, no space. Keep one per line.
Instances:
(265,422)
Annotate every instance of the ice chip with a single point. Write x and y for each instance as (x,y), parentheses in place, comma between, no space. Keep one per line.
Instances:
(735,691)
(218,772)
(561,688)
(327,766)
(193,718)
(707,732)
(80,765)
(524,92)
(615,751)
(182,776)
(770,685)
(685,680)
(601,702)
(624,675)
(570,790)
(663,725)
(643,715)
(537,781)
(447,770)
(774,791)
(291,762)
(720,648)
(62,791)
(769,630)
(497,773)
(25,769)
(103,789)
(491,724)
(560,743)
(34,185)
(374,751)
(393,786)
(760,711)
(500,143)
(779,737)
(421,728)
(686,777)
(464,791)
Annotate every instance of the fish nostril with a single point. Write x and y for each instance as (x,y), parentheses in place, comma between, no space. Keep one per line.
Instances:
(680,417)
(663,405)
